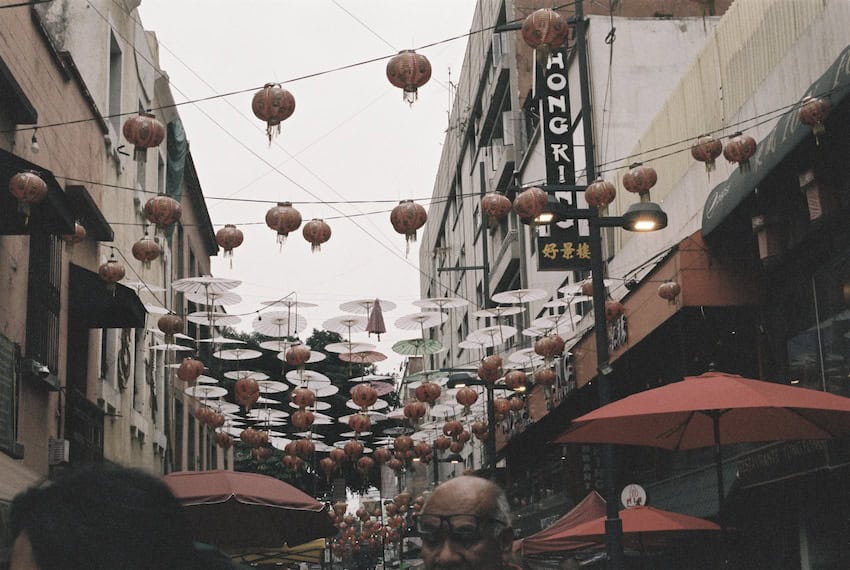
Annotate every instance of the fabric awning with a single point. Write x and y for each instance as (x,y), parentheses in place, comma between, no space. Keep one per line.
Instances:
(94,306)
(53,215)
(834,84)
(591,507)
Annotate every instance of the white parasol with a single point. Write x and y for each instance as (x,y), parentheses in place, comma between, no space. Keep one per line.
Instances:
(365,305)
(518,296)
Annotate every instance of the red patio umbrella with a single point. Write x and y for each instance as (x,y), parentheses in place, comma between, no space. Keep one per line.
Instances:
(233,510)
(711,410)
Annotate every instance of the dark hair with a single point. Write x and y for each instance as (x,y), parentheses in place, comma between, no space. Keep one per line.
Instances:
(103,518)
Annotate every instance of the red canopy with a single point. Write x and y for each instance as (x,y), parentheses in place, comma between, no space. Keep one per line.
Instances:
(591,507)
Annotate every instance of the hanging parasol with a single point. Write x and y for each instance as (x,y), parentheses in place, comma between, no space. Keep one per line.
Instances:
(316,406)
(289,304)
(382,388)
(140,286)
(365,305)
(441,303)
(205,391)
(279,344)
(272,386)
(494,336)
(346,324)
(372,378)
(278,324)
(526,357)
(377,406)
(222,340)
(418,347)
(205,284)
(214,298)
(213,318)
(171,347)
(376,320)
(497,312)
(421,321)
(365,357)
(341,347)
(519,296)
(245,374)
(306,376)
(156,309)
(237,354)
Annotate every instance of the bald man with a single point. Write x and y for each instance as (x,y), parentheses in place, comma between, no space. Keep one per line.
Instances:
(466,524)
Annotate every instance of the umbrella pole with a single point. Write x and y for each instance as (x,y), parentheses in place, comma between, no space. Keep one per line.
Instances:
(718,465)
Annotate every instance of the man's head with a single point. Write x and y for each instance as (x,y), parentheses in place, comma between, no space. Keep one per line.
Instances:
(466,524)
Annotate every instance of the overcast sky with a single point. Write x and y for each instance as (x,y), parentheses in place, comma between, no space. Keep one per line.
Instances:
(351,138)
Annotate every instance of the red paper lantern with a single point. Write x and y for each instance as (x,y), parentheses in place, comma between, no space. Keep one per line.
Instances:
(544,377)
(544,30)
(223,440)
(353,450)
(707,149)
(515,379)
(364,464)
(76,237)
(28,188)
(408,217)
(304,448)
(302,419)
(229,238)
(516,404)
(403,443)
(409,71)
(146,250)
(247,392)
(359,422)
(490,369)
(614,310)
(340,507)
(740,149)
(382,455)
(215,420)
(283,219)
(640,179)
(297,355)
(250,437)
(669,290)
(549,346)
(496,206)
(600,193)
(261,453)
(395,464)
(813,113)
(456,446)
(316,232)
(480,430)
(291,462)
(327,465)
(442,443)
(302,397)
(364,396)
(273,104)
(112,271)
(530,203)
(338,455)
(422,449)
(452,428)
(466,396)
(414,411)
(463,436)
(170,324)
(428,392)
(163,211)
(501,406)
(190,369)
(143,132)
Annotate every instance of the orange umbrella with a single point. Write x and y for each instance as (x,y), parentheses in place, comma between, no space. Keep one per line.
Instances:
(229,509)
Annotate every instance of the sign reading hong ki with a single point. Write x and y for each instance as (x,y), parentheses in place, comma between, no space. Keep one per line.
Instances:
(560,248)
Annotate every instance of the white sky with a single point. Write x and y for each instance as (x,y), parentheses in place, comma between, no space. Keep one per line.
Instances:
(352,137)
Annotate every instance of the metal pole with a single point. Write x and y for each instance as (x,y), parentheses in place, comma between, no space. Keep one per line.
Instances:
(613,524)
(491,433)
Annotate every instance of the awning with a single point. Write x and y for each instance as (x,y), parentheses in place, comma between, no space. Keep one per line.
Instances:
(834,84)
(86,211)
(53,215)
(546,541)
(94,306)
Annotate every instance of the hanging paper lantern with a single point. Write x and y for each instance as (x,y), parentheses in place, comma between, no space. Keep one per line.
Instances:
(466,396)
(452,428)
(414,411)
(170,325)
(338,455)
(490,369)
(223,440)
(364,464)
(428,392)
(587,288)
(304,448)
(544,377)
(442,443)
(544,30)
(327,465)
(359,423)
(190,369)
(364,395)
(639,179)
(353,450)
(403,443)
(515,379)
(813,113)
(215,420)
(549,346)
(291,462)
(463,436)
(283,219)
(112,272)
(143,132)
(707,149)
(409,71)
(146,250)
(382,455)
(28,188)
(600,193)
(480,430)
(496,206)
(76,237)
(247,392)
(457,446)
(316,232)
(614,310)
(297,355)
(229,238)
(302,397)
(408,217)
(421,449)
(302,419)
(163,211)
(395,465)
(501,406)
(273,104)
(530,203)
(739,149)
(516,404)
(251,437)
(669,290)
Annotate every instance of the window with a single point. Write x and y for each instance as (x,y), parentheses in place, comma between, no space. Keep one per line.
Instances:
(114,94)
(8,394)
(43,299)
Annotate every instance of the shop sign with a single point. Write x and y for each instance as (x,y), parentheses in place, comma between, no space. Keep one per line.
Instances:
(563,250)
(782,460)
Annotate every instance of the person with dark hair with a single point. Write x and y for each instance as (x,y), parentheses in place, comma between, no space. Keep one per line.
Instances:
(466,524)
(103,518)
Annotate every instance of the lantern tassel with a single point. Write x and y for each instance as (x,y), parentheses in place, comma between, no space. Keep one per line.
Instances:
(140,154)
(281,239)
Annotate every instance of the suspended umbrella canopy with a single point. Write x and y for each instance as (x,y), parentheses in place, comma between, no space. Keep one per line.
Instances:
(202,379)
(221,340)
(315,356)
(237,354)
(141,286)
(211,318)
(205,284)
(372,378)
(497,312)
(382,388)
(365,357)
(246,374)
(317,405)
(279,344)
(441,303)
(171,347)
(288,303)
(307,376)
(342,347)
(278,323)
(214,298)
(156,309)
(517,296)
(421,321)
(365,305)
(266,414)
(564,320)
(376,320)
(205,391)
(417,347)
(493,336)
(377,406)
(526,357)
(346,324)
(272,386)
(229,509)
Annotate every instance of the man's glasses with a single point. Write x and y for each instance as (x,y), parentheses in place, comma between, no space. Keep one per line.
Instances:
(464,530)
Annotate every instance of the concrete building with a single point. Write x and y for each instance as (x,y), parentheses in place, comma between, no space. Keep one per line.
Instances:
(78,381)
